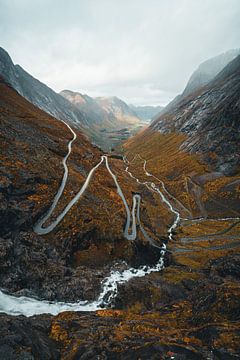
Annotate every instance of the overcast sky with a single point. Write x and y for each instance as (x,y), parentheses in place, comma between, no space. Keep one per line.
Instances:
(142,51)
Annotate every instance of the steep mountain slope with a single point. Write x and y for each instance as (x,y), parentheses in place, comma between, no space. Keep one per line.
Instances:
(192,152)
(208,70)
(33,145)
(203,74)
(38,93)
(46,99)
(210,119)
(196,144)
(146,112)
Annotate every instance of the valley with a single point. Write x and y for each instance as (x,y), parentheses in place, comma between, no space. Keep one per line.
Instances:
(129,251)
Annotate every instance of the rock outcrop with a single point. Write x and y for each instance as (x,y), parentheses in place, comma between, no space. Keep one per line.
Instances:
(208,70)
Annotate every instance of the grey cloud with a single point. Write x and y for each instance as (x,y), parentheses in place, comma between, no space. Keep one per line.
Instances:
(142,51)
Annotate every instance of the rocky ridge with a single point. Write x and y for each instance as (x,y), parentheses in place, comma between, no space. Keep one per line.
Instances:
(208,70)
(210,119)
(202,76)
(146,112)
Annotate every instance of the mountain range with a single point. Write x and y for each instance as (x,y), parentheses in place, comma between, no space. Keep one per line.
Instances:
(108,112)
(87,114)
(146,112)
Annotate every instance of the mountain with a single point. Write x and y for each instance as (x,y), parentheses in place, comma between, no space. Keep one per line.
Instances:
(87,104)
(119,109)
(38,93)
(197,140)
(208,70)
(166,313)
(204,74)
(146,113)
(192,152)
(210,119)
(89,240)
(112,117)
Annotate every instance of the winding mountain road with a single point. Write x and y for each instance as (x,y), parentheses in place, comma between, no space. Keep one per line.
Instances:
(153,187)
(29,306)
(206,237)
(39,226)
(168,194)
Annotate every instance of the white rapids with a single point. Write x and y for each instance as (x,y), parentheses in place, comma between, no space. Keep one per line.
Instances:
(29,306)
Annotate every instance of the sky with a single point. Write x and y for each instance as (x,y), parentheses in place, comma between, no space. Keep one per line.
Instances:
(142,51)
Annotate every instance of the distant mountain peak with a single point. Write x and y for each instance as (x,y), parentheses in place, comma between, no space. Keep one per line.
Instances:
(111,111)
(146,112)
(75,98)
(5,56)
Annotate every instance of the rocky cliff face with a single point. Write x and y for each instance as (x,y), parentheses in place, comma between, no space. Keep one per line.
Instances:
(38,93)
(208,70)
(210,119)
(203,75)
(194,147)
